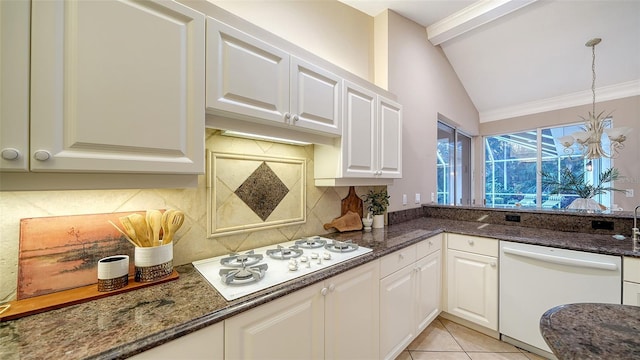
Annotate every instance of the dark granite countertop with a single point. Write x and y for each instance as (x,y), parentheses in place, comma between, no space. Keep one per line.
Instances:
(592,331)
(122,325)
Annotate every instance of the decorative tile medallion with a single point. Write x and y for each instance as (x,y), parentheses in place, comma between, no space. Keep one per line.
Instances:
(249,193)
(262,191)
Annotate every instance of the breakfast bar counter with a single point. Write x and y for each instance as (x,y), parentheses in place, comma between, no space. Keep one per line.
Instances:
(592,331)
(122,325)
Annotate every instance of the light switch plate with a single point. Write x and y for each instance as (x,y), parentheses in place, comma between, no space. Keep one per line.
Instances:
(628,192)
(404,199)
(417,198)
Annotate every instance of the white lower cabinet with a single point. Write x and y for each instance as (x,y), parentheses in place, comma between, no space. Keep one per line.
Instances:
(336,319)
(207,343)
(409,294)
(472,279)
(631,283)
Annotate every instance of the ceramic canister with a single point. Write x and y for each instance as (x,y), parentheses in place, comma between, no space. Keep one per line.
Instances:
(113,272)
(153,263)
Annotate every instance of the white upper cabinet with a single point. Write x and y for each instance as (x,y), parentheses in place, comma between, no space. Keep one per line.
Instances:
(249,79)
(14,85)
(117,86)
(390,138)
(370,151)
(360,134)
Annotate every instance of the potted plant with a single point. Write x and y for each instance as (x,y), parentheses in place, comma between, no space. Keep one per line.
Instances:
(575,183)
(377,203)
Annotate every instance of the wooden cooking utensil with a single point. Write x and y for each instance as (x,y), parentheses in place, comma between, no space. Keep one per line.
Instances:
(174,221)
(165,222)
(128,228)
(142,230)
(123,234)
(154,222)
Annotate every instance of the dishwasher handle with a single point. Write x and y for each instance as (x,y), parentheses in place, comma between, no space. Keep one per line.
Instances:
(561,260)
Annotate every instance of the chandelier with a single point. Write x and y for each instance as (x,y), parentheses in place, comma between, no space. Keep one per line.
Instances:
(589,138)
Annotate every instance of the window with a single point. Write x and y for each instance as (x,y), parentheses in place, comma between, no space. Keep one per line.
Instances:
(453,166)
(512,163)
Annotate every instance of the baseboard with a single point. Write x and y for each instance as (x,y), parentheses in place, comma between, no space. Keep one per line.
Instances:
(489,332)
(529,348)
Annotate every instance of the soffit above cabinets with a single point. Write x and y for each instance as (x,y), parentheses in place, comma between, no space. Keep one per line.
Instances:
(533,58)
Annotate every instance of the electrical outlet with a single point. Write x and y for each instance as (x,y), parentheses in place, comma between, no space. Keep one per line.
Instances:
(417,198)
(628,192)
(433,197)
(404,199)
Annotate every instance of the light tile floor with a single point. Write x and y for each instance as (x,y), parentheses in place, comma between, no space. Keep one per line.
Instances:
(446,340)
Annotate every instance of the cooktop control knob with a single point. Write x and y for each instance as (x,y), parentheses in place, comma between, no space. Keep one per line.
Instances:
(326,256)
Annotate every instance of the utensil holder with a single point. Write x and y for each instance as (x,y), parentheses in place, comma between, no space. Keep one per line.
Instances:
(153,263)
(113,273)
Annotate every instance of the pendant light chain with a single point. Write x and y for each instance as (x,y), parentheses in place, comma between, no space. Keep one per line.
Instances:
(593,81)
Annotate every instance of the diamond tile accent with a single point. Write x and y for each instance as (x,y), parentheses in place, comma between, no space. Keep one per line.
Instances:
(262,191)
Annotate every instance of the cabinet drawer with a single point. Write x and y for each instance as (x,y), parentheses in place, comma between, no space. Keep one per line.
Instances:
(429,246)
(472,244)
(631,268)
(396,261)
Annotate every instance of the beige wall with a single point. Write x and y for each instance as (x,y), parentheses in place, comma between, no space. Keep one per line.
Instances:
(625,112)
(425,83)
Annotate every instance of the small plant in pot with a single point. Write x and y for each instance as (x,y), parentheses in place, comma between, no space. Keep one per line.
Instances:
(377,203)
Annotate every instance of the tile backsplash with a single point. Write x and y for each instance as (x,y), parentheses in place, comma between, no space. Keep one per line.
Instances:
(322,206)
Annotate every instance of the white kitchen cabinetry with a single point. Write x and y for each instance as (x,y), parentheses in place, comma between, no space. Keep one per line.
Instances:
(631,283)
(371,143)
(334,319)
(409,294)
(249,79)
(14,85)
(207,343)
(117,86)
(472,279)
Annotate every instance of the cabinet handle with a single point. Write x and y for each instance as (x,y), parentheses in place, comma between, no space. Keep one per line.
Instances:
(42,155)
(10,154)
(332,287)
(430,243)
(401,256)
(324,291)
(296,118)
(470,242)
(493,264)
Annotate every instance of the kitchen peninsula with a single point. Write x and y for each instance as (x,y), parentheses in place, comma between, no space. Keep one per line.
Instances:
(123,325)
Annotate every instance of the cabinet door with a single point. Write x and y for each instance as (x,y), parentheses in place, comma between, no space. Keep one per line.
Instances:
(245,76)
(352,314)
(630,293)
(207,343)
(359,146)
(390,138)
(429,285)
(117,86)
(316,98)
(14,85)
(472,287)
(397,312)
(290,327)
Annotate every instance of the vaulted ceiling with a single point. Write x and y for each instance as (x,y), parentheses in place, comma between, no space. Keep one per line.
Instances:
(525,56)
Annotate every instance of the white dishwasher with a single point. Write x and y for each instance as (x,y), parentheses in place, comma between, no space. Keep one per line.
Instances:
(534,279)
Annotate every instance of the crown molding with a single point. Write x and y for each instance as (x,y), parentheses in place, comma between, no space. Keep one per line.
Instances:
(471,17)
(605,93)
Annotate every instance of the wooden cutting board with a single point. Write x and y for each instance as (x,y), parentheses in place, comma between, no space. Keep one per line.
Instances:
(352,203)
